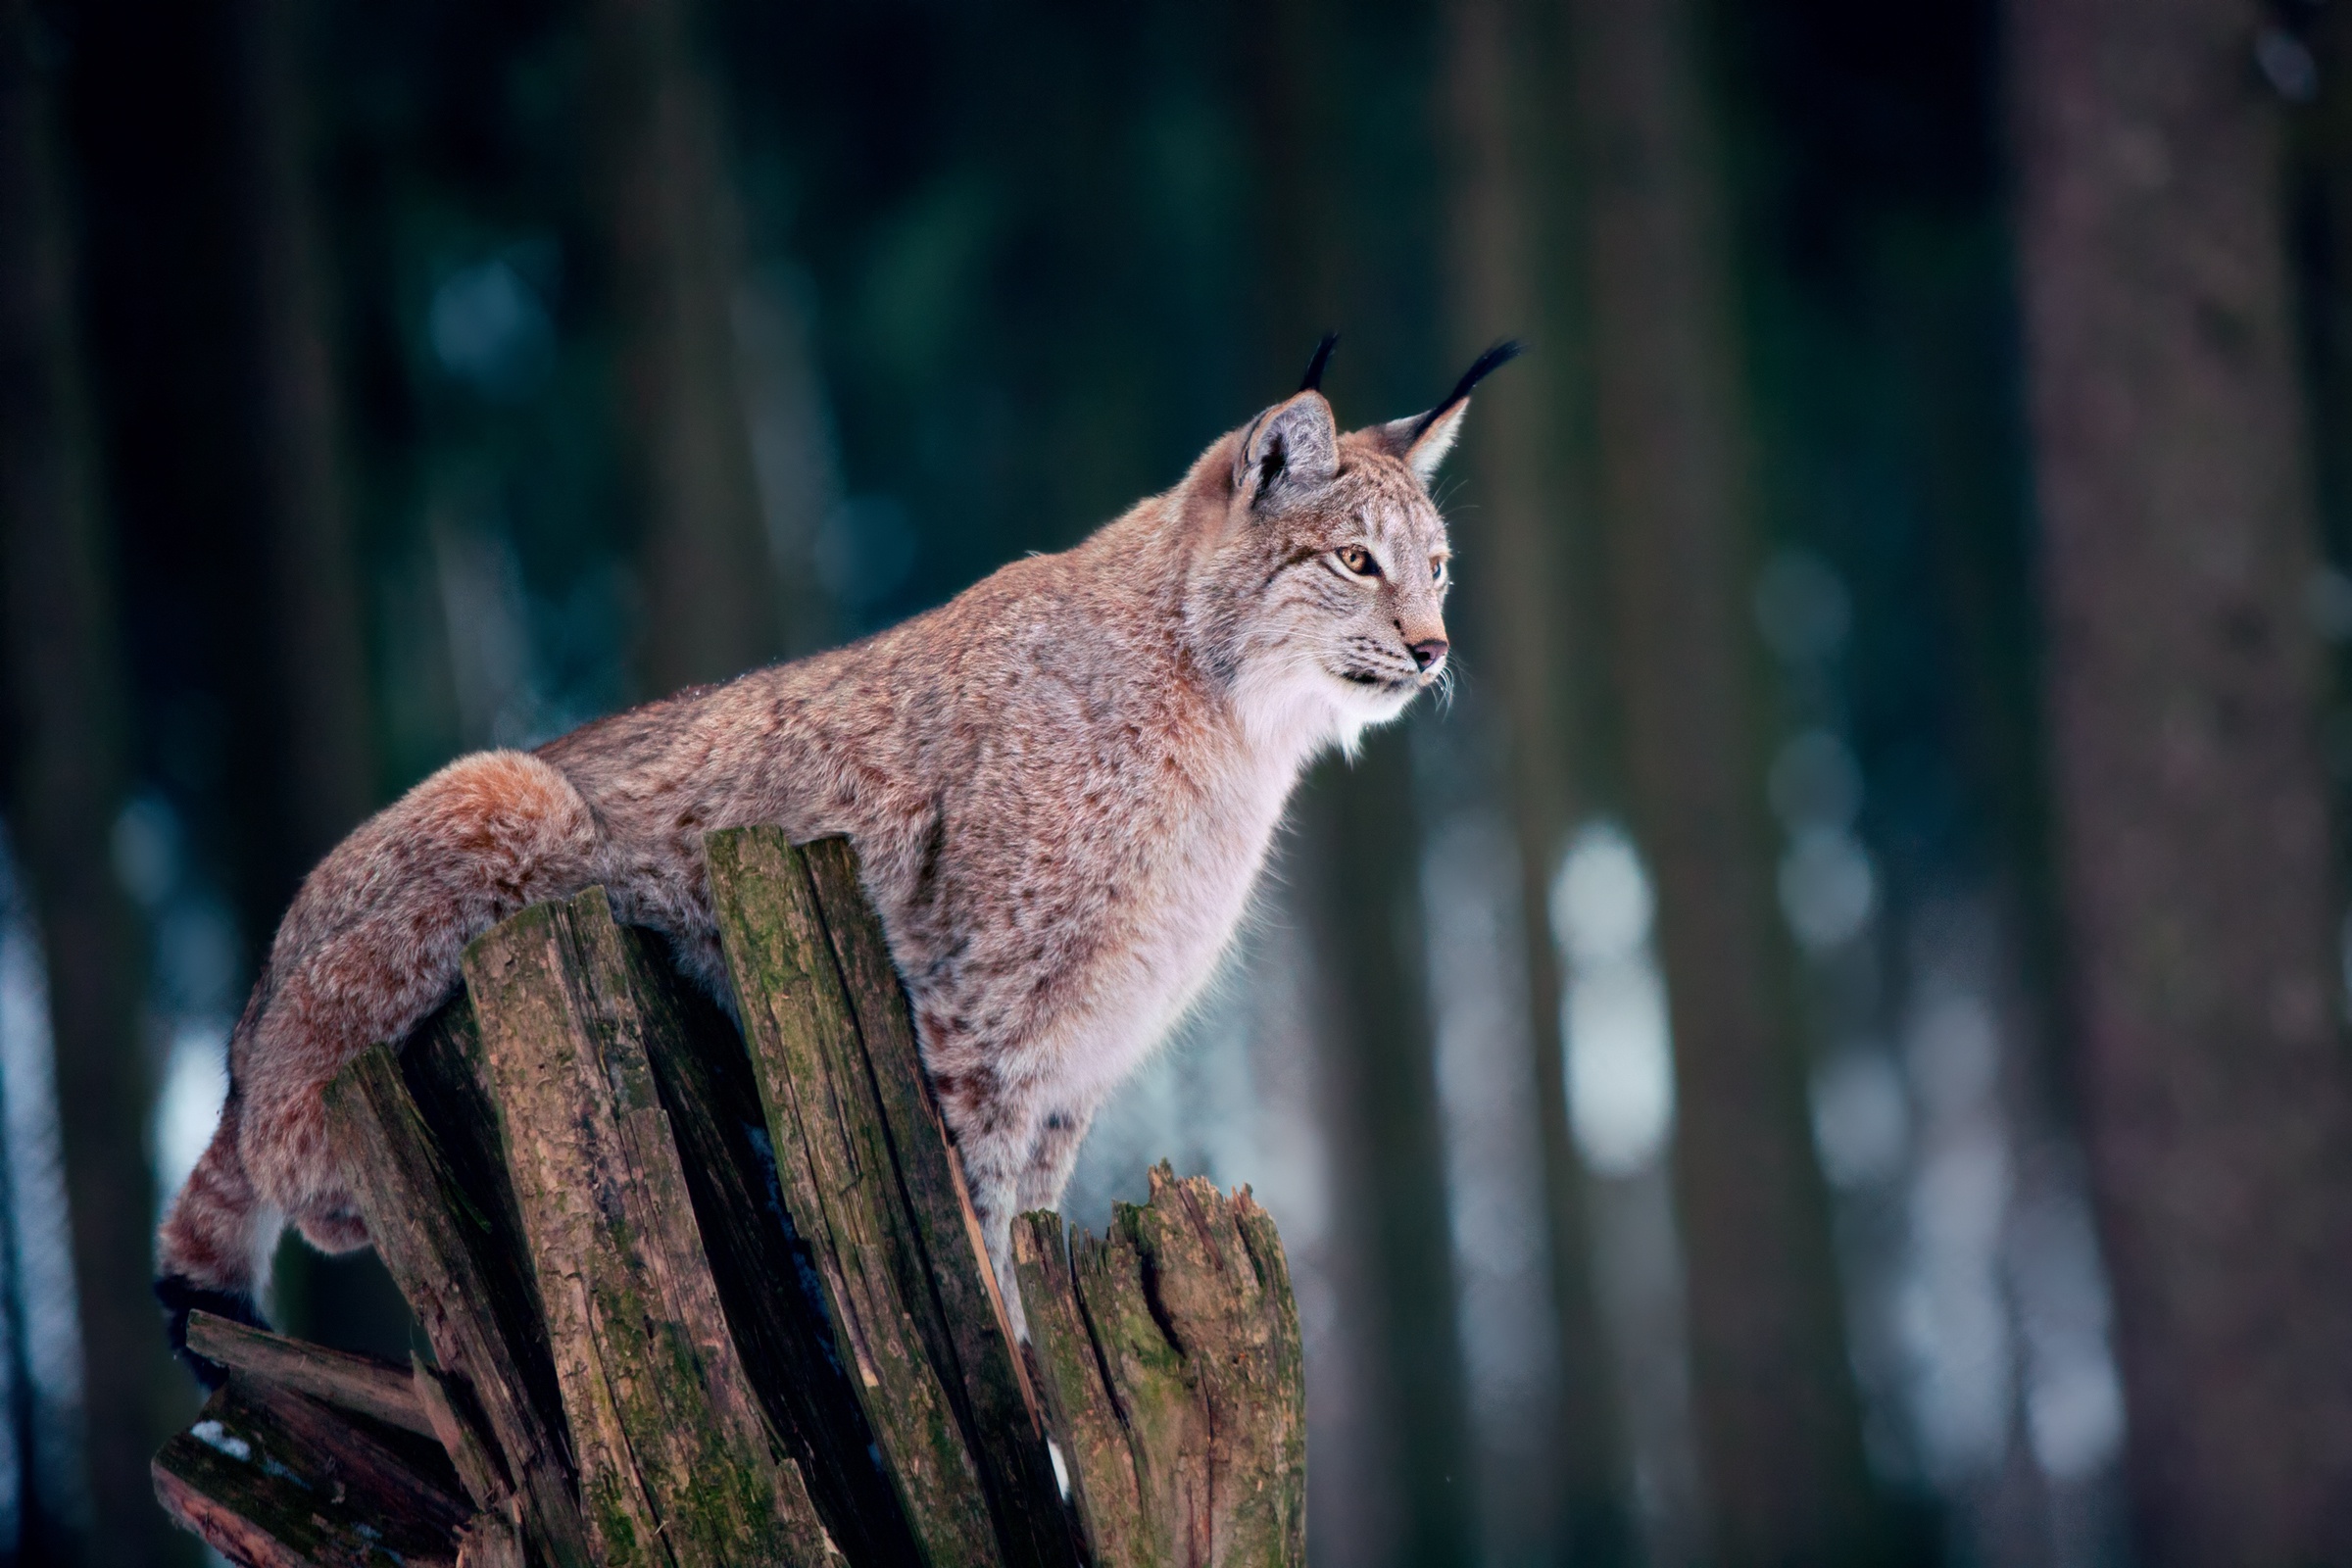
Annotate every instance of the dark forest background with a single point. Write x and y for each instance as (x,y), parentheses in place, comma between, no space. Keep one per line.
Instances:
(1829,1050)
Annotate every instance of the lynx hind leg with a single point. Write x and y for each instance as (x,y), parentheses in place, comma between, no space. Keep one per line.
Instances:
(991,1126)
(992,1171)
(1053,1155)
(371,946)
(333,1230)
(1013,1162)
(1023,1166)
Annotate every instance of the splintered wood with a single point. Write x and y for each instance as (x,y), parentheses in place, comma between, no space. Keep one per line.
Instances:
(675,1461)
(697,1295)
(1170,1357)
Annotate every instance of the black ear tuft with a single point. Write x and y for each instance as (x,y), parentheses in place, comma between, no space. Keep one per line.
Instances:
(1486,364)
(1315,367)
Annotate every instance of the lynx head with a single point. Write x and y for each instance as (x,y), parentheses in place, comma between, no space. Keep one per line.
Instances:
(1321,568)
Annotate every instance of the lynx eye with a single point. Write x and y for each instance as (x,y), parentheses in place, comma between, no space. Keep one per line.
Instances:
(1357,560)
(1436,568)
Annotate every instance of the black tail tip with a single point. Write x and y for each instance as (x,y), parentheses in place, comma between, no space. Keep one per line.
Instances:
(179,1296)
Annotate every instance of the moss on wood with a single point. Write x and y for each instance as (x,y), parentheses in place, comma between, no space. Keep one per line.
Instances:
(1170,1352)
(279,1480)
(835,1166)
(440,1215)
(698,1296)
(359,1383)
(676,1463)
(945,1270)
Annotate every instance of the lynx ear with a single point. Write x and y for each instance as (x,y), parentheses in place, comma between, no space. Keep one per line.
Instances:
(1423,440)
(1289,448)
(1423,445)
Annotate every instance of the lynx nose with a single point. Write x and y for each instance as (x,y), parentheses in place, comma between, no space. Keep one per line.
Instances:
(1427,653)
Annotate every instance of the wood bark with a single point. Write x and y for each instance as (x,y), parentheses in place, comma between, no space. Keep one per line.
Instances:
(410,1476)
(66,698)
(1169,1354)
(1090,1423)
(861,1150)
(767,1274)
(967,1322)
(1778,1431)
(417,1133)
(275,1479)
(676,1464)
(359,1383)
(2173,484)
(667,1280)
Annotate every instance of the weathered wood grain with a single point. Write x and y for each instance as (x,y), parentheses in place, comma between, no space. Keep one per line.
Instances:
(1087,1422)
(276,1479)
(835,1167)
(1192,1346)
(700,1298)
(448,1412)
(677,1462)
(946,1271)
(495,1536)
(488,1542)
(418,1143)
(767,1278)
(1166,1424)
(350,1382)
(1223,1286)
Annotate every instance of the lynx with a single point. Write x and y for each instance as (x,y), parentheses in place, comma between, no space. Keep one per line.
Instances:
(1061,785)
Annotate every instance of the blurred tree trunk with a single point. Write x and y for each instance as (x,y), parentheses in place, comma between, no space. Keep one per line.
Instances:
(792,446)
(67,701)
(1778,1431)
(1360,875)
(2322,149)
(316,778)
(1516,530)
(2192,826)
(318,621)
(672,249)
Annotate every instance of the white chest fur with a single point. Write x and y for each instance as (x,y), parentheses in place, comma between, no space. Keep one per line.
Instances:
(1206,868)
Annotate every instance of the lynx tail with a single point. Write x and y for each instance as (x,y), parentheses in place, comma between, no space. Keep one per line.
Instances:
(211,1244)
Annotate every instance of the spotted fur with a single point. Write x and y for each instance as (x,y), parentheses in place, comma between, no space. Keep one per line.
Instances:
(1061,784)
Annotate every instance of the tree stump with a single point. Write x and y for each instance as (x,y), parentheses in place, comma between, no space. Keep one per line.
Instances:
(700,1295)
(1169,1352)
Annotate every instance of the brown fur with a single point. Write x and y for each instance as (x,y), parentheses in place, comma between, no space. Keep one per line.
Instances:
(1062,784)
